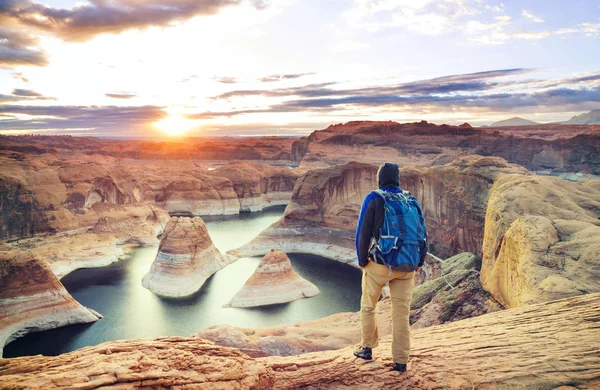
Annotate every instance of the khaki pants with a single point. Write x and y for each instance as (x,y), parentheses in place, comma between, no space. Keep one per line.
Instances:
(374,278)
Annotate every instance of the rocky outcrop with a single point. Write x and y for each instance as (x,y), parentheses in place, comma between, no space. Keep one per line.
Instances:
(525,347)
(542,239)
(322,215)
(171,362)
(32,299)
(186,259)
(455,294)
(454,199)
(274,281)
(560,148)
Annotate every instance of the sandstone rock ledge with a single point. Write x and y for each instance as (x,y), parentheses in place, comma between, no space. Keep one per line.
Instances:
(186,259)
(539,346)
(32,299)
(274,281)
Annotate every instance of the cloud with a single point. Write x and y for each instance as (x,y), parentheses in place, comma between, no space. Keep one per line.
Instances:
(279,77)
(22,21)
(20,76)
(454,83)
(531,17)
(105,119)
(478,90)
(15,45)
(120,95)
(588,29)
(226,80)
(26,92)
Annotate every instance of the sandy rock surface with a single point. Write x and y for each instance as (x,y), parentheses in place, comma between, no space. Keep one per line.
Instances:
(542,239)
(186,258)
(32,299)
(529,347)
(274,281)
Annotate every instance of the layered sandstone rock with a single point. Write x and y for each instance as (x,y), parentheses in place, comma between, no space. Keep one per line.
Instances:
(32,299)
(542,239)
(186,259)
(321,217)
(558,148)
(526,347)
(106,242)
(274,281)
(454,199)
(58,193)
(258,185)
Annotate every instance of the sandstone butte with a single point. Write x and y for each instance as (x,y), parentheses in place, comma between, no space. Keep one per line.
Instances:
(542,239)
(545,346)
(453,294)
(555,148)
(32,299)
(322,215)
(274,281)
(186,258)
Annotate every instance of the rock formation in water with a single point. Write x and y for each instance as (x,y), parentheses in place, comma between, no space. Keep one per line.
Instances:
(454,199)
(186,259)
(274,281)
(542,239)
(321,217)
(558,148)
(525,347)
(32,299)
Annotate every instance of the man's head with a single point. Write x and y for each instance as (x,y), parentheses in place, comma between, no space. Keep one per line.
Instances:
(388,175)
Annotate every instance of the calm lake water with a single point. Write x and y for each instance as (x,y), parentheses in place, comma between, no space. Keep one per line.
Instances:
(130,311)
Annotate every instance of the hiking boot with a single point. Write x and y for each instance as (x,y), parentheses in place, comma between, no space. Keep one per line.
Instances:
(399,367)
(364,353)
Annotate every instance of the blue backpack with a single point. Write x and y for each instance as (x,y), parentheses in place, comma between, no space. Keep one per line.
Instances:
(403,234)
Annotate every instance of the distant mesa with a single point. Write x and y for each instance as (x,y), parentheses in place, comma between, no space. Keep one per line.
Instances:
(588,118)
(515,121)
(186,259)
(274,281)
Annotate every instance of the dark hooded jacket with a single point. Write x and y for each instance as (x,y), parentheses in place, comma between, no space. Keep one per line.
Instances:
(372,213)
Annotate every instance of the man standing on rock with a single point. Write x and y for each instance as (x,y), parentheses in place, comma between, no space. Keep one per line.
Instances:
(381,265)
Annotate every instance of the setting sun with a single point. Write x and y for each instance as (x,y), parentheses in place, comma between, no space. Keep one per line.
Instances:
(174,125)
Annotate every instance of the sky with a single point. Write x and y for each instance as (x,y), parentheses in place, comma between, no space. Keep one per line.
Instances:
(158,68)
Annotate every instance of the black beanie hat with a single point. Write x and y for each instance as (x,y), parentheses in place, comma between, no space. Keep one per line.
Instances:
(388,175)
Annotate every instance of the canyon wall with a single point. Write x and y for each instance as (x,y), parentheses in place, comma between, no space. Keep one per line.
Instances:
(321,217)
(518,348)
(454,199)
(186,258)
(542,239)
(557,148)
(57,193)
(32,299)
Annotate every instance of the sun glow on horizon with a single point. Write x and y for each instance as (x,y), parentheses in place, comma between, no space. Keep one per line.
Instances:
(175,125)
